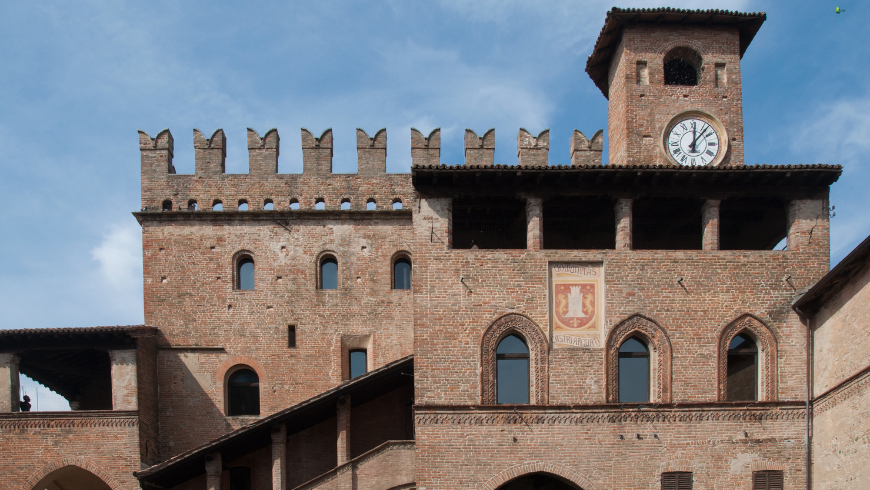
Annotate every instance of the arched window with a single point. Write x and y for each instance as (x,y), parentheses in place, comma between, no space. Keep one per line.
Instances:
(319,204)
(512,370)
(240,478)
(633,371)
(191,205)
(167,205)
(397,203)
(243,393)
(358,362)
(402,273)
(268,205)
(345,204)
(682,65)
(245,273)
(294,204)
(328,273)
(217,205)
(371,205)
(742,381)
(243,205)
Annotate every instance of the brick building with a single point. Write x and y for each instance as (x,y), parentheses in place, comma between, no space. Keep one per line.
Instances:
(587,326)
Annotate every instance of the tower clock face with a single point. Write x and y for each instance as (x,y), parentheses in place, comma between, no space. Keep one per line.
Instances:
(693,141)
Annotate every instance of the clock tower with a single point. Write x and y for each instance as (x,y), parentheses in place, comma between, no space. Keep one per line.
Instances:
(672,78)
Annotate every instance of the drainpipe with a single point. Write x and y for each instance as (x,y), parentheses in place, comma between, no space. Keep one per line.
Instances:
(809,436)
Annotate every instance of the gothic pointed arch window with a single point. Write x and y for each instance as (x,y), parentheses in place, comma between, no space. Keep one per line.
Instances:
(633,371)
(742,378)
(747,355)
(512,370)
(638,362)
(514,359)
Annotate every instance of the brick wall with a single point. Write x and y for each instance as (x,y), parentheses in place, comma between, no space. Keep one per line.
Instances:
(638,113)
(34,444)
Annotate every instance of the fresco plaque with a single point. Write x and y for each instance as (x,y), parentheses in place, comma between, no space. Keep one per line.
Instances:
(577,304)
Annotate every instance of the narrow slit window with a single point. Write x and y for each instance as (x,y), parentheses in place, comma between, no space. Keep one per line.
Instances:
(243,393)
(402,274)
(358,363)
(512,370)
(742,380)
(245,273)
(291,336)
(633,371)
(329,273)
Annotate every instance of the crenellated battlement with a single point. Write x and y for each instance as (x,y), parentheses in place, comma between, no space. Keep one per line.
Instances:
(263,188)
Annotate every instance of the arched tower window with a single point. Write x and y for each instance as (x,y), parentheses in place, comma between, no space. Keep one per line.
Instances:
(328,273)
(512,370)
(682,66)
(244,271)
(243,392)
(167,205)
(742,381)
(633,371)
(402,273)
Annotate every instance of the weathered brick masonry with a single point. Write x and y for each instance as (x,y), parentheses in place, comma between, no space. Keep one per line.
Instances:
(690,258)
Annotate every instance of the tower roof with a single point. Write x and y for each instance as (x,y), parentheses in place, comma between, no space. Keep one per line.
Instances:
(598,64)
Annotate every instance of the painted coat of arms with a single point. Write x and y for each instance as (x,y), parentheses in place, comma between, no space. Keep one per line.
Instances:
(576,304)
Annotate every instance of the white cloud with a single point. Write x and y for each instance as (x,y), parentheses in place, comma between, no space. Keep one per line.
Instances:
(120,256)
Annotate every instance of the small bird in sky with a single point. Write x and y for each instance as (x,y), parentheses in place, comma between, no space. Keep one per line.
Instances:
(840,11)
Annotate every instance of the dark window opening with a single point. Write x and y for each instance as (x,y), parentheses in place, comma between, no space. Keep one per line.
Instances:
(512,370)
(240,478)
(677,480)
(358,363)
(682,66)
(489,223)
(767,480)
(329,273)
(82,376)
(291,336)
(243,393)
(537,481)
(397,204)
(402,274)
(633,371)
(245,273)
(752,223)
(579,223)
(666,224)
(191,205)
(742,380)
(167,205)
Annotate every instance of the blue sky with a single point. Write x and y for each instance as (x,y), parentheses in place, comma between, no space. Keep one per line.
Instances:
(78,79)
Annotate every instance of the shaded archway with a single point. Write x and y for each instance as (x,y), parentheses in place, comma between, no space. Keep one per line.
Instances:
(539,481)
(71,478)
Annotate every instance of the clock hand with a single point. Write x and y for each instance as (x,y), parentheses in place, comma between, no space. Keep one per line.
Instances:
(695,138)
(698,137)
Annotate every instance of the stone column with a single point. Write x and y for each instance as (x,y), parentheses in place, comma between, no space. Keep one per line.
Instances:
(342,426)
(279,457)
(623,224)
(710,223)
(808,225)
(125,392)
(213,470)
(9,382)
(534,223)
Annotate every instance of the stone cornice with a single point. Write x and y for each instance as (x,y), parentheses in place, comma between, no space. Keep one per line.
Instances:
(74,419)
